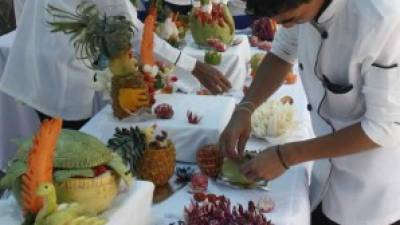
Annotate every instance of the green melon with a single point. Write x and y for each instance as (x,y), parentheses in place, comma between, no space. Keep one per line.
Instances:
(232,173)
(201,32)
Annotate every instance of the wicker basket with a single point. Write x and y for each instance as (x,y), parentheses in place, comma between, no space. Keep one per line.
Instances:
(94,194)
(158,165)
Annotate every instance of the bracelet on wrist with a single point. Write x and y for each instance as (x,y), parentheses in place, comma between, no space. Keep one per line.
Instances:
(241,108)
(248,104)
(280,156)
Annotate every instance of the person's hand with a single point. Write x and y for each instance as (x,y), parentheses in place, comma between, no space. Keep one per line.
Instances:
(211,78)
(265,166)
(235,134)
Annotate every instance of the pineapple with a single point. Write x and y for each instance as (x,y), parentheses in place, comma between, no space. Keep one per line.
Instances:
(151,157)
(209,160)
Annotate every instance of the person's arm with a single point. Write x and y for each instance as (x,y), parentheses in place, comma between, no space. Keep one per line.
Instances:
(329,146)
(269,77)
(207,75)
(379,127)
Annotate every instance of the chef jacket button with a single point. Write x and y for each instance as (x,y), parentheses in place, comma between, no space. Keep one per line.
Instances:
(301,66)
(309,107)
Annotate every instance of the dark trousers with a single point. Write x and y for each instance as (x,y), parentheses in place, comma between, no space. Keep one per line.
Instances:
(318,218)
(73,125)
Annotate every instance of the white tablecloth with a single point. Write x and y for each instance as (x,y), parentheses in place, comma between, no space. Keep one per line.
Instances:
(289,193)
(188,138)
(16,120)
(234,65)
(131,207)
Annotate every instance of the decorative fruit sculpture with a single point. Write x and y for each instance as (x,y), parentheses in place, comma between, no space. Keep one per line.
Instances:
(231,171)
(263,45)
(212,19)
(164,111)
(199,183)
(287,100)
(216,44)
(38,194)
(264,28)
(213,209)
(82,163)
(151,156)
(184,174)
(255,62)
(193,118)
(209,159)
(213,57)
(68,214)
(291,78)
(105,41)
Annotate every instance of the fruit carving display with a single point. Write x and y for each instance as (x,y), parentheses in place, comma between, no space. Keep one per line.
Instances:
(263,33)
(39,167)
(83,165)
(150,154)
(255,62)
(184,174)
(232,173)
(105,42)
(211,19)
(172,29)
(32,177)
(199,183)
(218,210)
(291,78)
(213,57)
(67,214)
(264,29)
(274,120)
(164,111)
(209,159)
(193,118)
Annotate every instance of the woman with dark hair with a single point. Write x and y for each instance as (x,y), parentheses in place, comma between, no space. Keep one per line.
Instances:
(348,54)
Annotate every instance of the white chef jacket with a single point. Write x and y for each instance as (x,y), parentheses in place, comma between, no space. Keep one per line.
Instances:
(354,42)
(43,72)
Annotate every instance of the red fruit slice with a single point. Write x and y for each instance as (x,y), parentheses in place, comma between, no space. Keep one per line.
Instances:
(99,170)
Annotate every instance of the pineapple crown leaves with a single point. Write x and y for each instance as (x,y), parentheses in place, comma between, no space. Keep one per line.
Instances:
(130,144)
(93,35)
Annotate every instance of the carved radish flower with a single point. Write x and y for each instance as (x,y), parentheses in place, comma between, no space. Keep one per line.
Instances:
(164,111)
(193,118)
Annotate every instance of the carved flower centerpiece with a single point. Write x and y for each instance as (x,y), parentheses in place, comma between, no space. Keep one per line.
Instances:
(211,19)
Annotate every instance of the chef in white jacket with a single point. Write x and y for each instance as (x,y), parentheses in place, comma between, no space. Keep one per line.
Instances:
(43,72)
(348,53)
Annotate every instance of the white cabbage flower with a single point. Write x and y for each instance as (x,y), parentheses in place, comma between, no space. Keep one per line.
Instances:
(273,119)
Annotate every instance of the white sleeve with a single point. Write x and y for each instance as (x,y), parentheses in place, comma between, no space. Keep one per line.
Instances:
(381,89)
(285,44)
(163,50)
